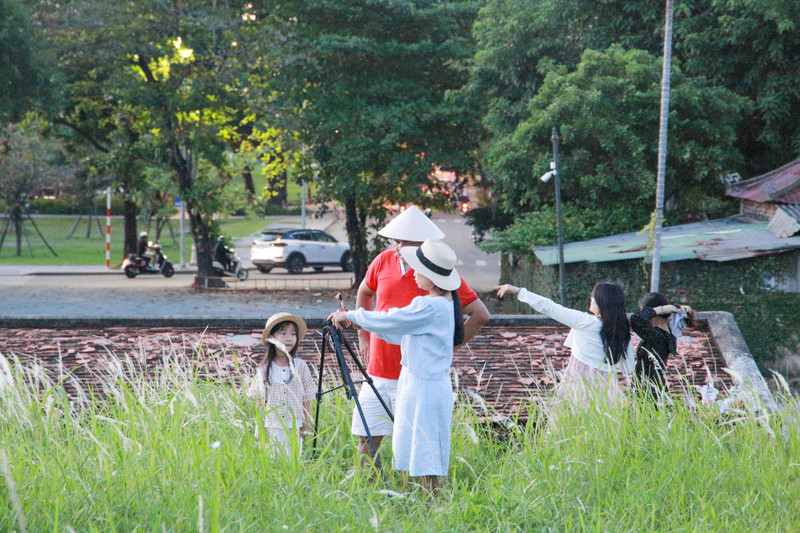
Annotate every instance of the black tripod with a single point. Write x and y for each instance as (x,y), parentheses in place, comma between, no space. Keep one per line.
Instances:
(334,339)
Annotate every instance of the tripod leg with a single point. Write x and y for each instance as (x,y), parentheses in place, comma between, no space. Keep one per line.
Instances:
(367,377)
(319,394)
(351,388)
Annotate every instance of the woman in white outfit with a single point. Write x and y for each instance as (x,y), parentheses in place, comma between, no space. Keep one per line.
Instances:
(600,341)
(426,330)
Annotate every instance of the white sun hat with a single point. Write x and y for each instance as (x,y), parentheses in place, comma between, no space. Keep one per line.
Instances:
(436,261)
(411,225)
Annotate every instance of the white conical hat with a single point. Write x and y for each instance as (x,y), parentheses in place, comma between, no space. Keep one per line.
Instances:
(411,225)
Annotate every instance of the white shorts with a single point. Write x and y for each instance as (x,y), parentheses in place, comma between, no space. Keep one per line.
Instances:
(380,425)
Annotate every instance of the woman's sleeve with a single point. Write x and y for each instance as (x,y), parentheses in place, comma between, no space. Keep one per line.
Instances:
(641,324)
(569,317)
(413,318)
(256,388)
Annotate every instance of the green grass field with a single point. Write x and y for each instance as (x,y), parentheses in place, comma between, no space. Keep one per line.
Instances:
(175,452)
(80,250)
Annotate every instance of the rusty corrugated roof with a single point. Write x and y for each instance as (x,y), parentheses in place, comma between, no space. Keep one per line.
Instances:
(780,186)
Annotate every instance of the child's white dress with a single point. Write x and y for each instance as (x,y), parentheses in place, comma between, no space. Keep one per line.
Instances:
(424,411)
(284,398)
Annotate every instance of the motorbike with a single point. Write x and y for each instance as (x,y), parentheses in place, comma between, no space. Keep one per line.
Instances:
(235,270)
(464,207)
(134,265)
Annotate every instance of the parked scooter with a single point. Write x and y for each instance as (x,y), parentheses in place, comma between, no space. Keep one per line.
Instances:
(134,265)
(236,269)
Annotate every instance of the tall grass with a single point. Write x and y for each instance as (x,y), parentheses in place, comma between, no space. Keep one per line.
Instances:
(174,451)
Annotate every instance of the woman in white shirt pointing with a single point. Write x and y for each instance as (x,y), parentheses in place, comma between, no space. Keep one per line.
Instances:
(600,340)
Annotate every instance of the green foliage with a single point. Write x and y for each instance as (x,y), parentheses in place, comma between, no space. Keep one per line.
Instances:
(750,47)
(23,67)
(74,206)
(367,90)
(605,158)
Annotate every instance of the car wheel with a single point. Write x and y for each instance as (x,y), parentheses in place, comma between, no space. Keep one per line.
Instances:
(295,263)
(319,269)
(347,262)
(131,271)
(263,269)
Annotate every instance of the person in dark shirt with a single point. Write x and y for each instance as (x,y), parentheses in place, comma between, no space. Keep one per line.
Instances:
(221,253)
(141,248)
(654,326)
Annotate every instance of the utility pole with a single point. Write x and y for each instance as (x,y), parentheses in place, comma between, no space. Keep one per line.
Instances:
(562,277)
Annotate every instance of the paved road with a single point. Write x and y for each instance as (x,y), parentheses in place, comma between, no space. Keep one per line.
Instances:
(100,293)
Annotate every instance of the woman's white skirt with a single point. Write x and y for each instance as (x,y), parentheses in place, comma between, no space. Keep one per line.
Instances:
(423,418)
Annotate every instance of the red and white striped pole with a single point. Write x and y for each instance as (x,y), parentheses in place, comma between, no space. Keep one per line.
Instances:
(108,227)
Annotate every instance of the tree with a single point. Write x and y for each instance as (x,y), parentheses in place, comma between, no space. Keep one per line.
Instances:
(366,85)
(606,109)
(159,83)
(23,67)
(751,48)
(27,162)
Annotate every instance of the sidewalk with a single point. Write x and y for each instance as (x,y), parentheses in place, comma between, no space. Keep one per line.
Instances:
(328,223)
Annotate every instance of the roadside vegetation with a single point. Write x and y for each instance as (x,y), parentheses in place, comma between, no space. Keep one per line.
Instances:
(80,250)
(174,451)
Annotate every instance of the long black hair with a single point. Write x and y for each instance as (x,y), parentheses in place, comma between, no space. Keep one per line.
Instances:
(458,313)
(272,350)
(656,299)
(653,299)
(616,329)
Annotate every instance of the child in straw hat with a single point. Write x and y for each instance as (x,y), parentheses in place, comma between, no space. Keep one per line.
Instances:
(283,384)
(426,330)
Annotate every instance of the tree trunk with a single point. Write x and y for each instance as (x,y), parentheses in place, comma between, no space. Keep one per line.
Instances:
(16,217)
(129,215)
(356,231)
(655,276)
(278,186)
(249,186)
(201,229)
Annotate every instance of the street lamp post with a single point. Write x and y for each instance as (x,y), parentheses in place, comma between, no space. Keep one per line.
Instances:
(555,172)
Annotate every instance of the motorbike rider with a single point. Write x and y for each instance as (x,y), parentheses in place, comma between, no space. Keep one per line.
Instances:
(222,253)
(142,246)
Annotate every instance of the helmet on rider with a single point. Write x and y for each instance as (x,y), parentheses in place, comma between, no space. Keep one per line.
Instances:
(143,234)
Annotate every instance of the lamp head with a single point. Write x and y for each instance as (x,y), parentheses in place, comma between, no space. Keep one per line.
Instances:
(547,175)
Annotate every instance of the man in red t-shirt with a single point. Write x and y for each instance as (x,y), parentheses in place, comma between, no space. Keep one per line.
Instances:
(390,283)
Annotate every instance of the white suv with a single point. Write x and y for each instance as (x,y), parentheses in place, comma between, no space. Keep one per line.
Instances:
(295,249)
